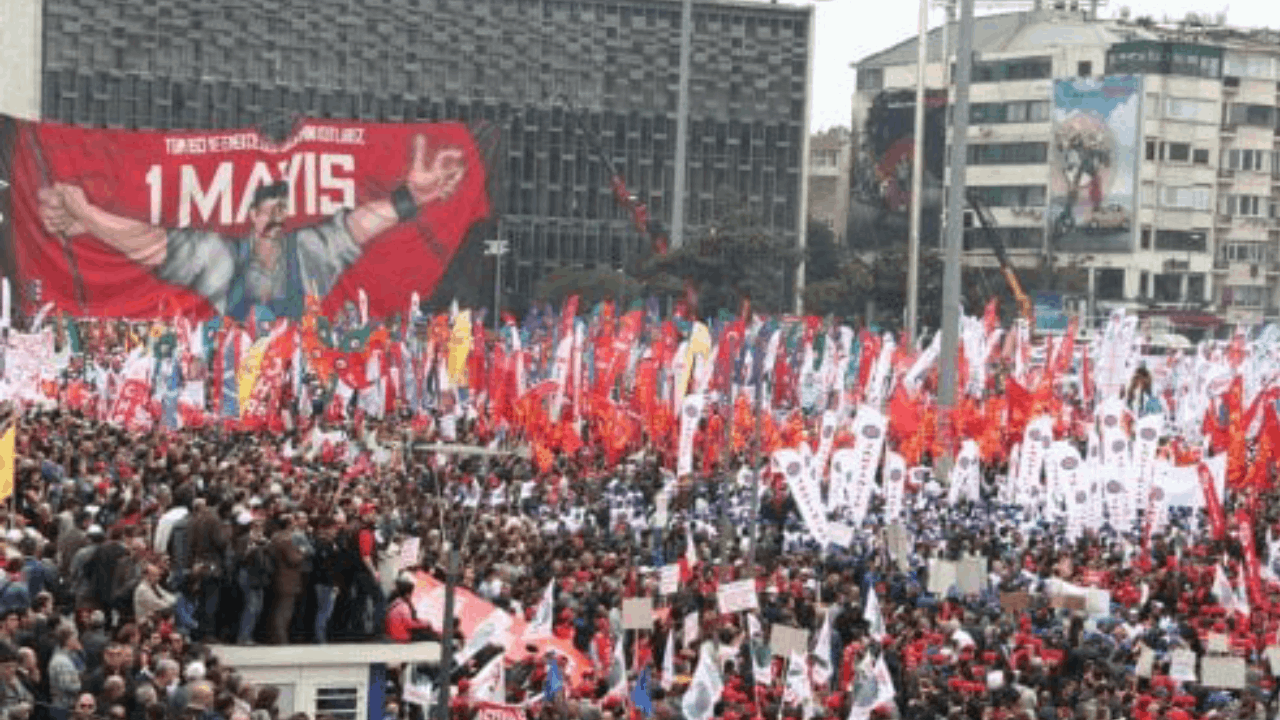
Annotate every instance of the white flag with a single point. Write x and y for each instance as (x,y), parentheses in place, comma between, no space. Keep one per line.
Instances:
(703,694)
(761,656)
(821,670)
(669,661)
(490,684)
(871,688)
(871,613)
(540,627)
(797,689)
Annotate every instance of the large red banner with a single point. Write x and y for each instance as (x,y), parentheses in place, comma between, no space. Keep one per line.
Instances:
(135,224)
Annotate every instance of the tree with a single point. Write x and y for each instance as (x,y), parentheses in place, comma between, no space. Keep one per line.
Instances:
(738,257)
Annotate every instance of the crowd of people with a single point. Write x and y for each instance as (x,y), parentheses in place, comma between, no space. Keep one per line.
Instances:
(131,555)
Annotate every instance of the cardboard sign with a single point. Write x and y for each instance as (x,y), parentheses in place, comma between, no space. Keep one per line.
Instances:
(690,633)
(669,579)
(971,575)
(660,512)
(785,640)
(1182,665)
(1273,657)
(1146,661)
(1015,601)
(1217,644)
(1098,602)
(942,575)
(637,613)
(1067,602)
(899,545)
(1223,672)
(409,553)
(840,534)
(738,596)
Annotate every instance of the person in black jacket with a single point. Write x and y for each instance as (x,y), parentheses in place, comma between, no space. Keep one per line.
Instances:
(326,575)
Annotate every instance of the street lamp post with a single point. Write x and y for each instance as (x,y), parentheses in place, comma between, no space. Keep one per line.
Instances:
(497,249)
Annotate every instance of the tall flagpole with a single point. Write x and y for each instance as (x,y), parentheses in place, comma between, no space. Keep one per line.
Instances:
(917,176)
(955,237)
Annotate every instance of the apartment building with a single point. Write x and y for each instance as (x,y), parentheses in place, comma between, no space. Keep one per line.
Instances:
(830,154)
(1194,236)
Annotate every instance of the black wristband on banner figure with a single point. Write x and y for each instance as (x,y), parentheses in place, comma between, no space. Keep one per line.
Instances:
(403,202)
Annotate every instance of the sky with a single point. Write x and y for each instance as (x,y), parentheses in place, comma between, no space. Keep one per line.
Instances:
(849,30)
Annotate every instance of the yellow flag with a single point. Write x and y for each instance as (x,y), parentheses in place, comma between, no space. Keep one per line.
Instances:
(6,463)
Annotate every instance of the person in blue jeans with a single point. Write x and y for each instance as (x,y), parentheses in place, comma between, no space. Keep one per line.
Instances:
(326,575)
(253,574)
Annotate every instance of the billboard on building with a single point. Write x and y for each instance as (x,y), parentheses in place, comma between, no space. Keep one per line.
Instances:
(1093,163)
(881,186)
(114,223)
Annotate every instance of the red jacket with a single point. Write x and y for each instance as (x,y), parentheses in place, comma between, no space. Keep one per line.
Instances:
(401,623)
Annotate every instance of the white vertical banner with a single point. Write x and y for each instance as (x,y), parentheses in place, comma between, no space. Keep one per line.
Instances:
(895,478)
(869,427)
(690,415)
(843,465)
(1116,478)
(966,477)
(1005,491)
(874,392)
(680,367)
(808,495)
(1074,492)
(1092,481)
(1146,440)
(1158,501)
(1035,443)
(830,423)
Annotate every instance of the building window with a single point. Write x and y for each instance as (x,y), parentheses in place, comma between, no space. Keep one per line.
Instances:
(1247,160)
(1254,115)
(1009,195)
(1168,288)
(1108,283)
(1146,238)
(1195,288)
(1200,156)
(1151,150)
(1144,281)
(870,78)
(1190,110)
(340,703)
(1164,58)
(1181,241)
(1179,152)
(1029,153)
(1244,205)
(1185,198)
(1250,296)
(1033,68)
(1084,69)
(1012,112)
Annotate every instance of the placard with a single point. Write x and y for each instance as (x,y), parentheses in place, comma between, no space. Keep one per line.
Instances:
(785,640)
(1067,602)
(689,635)
(942,575)
(1273,657)
(899,545)
(1182,665)
(1146,661)
(1217,644)
(1223,672)
(669,579)
(1015,601)
(637,613)
(1098,602)
(409,553)
(971,575)
(840,534)
(738,596)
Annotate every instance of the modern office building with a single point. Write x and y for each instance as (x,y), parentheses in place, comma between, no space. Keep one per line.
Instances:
(1194,237)
(557,77)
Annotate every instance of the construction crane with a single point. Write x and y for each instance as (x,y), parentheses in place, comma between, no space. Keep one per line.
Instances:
(988,223)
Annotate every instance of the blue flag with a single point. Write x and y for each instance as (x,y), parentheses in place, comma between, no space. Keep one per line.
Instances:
(230,385)
(555,681)
(169,396)
(640,694)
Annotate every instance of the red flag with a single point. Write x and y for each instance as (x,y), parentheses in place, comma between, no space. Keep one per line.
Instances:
(1213,506)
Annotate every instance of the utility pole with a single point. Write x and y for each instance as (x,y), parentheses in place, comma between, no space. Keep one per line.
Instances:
(955,237)
(498,249)
(682,125)
(917,177)
(446,642)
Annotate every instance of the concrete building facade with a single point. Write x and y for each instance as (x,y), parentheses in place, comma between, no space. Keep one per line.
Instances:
(1206,236)
(830,161)
(540,70)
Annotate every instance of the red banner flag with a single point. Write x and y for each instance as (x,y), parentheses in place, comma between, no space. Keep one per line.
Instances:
(1213,506)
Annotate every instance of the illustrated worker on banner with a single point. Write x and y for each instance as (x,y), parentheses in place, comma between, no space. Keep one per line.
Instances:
(270,268)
